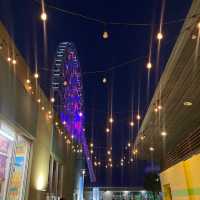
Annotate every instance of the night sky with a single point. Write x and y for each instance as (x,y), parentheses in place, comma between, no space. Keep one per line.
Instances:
(127,83)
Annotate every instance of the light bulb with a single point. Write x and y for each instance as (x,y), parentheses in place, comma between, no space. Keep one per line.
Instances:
(132,123)
(163,133)
(52,100)
(105,35)
(111,120)
(138,117)
(159,36)
(36,75)
(9,59)
(149,65)
(107,130)
(151,149)
(104,80)
(43,16)
(28,81)
(14,62)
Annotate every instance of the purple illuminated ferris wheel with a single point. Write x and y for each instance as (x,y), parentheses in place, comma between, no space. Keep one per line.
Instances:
(68,92)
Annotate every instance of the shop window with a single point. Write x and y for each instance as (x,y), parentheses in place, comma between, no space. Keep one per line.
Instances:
(14,159)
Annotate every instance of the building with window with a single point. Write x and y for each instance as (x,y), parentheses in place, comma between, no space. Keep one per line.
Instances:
(36,159)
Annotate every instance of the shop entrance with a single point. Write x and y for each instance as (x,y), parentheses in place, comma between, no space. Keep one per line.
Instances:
(14,160)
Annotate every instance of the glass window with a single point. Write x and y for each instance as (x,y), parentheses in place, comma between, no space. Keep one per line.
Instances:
(14,160)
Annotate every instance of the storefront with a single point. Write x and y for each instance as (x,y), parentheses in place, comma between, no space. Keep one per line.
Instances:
(14,163)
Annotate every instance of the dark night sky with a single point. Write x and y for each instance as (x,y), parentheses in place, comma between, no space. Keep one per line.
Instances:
(125,43)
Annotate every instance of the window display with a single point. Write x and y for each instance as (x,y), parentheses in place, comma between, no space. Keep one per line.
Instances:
(14,157)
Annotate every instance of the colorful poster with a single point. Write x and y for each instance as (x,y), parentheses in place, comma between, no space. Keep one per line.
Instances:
(2,167)
(4,144)
(15,184)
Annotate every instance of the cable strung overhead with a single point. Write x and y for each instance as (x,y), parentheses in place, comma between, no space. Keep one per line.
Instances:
(104,22)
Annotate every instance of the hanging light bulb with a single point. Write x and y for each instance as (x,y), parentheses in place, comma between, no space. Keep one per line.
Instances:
(43,16)
(14,62)
(135,151)
(159,36)
(28,81)
(39,100)
(142,137)
(159,107)
(36,75)
(9,59)
(129,144)
(42,108)
(107,130)
(111,120)
(91,145)
(104,80)
(164,133)
(151,148)
(138,117)
(105,35)
(156,109)
(52,99)
(110,159)
(149,65)
(91,151)
(132,123)
(64,122)
(56,123)
(109,152)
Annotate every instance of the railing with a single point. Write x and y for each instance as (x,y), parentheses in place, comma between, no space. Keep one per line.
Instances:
(183,150)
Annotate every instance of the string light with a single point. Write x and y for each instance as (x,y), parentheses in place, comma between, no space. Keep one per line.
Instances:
(163,133)
(159,36)
(109,152)
(64,123)
(159,107)
(36,75)
(29,88)
(39,100)
(42,108)
(107,130)
(14,62)
(9,59)
(91,145)
(43,16)
(135,151)
(104,80)
(138,117)
(28,81)
(142,137)
(111,120)
(149,65)
(156,109)
(52,100)
(151,148)
(56,123)
(129,144)
(105,35)
(110,159)
(132,123)
(91,151)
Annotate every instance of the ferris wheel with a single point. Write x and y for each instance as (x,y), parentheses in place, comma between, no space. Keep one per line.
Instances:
(68,92)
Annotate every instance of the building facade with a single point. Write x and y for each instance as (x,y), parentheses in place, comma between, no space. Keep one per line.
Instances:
(36,162)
